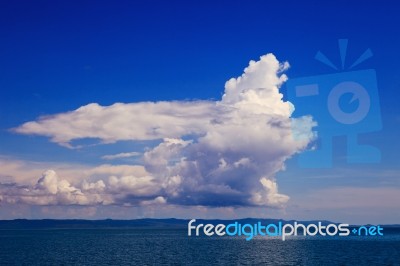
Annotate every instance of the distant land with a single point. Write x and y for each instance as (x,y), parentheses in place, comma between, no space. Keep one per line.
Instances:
(136,223)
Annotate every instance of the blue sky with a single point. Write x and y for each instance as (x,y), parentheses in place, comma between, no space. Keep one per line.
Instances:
(58,56)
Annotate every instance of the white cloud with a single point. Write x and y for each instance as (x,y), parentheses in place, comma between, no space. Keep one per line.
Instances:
(109,184)
(52,190)
(144,186)
(271,197)
(49,190)
(120,155)
(134,121)
(213,153)
(27,172)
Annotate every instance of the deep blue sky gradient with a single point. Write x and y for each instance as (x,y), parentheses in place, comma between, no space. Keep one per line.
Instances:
(56,56)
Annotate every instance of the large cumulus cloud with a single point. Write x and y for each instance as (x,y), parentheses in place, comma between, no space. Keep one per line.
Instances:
(212,153)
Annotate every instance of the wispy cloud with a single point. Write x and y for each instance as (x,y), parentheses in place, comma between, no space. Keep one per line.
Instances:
(121,155)
(132,121)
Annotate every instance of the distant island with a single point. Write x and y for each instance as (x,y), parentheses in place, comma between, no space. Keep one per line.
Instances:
(136,223)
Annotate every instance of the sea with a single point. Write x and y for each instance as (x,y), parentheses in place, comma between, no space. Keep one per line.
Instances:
(152,246)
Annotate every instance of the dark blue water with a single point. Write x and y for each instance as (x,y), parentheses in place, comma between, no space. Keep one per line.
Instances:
(166,247)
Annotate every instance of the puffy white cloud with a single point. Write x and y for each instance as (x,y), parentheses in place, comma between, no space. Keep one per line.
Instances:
(213,153)
(157,201)
(271,195)
(49,190)
(49,182)
(26,172)
(98,186)
(79,185)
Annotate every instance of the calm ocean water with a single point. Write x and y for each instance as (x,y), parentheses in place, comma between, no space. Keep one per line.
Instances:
(174,247)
